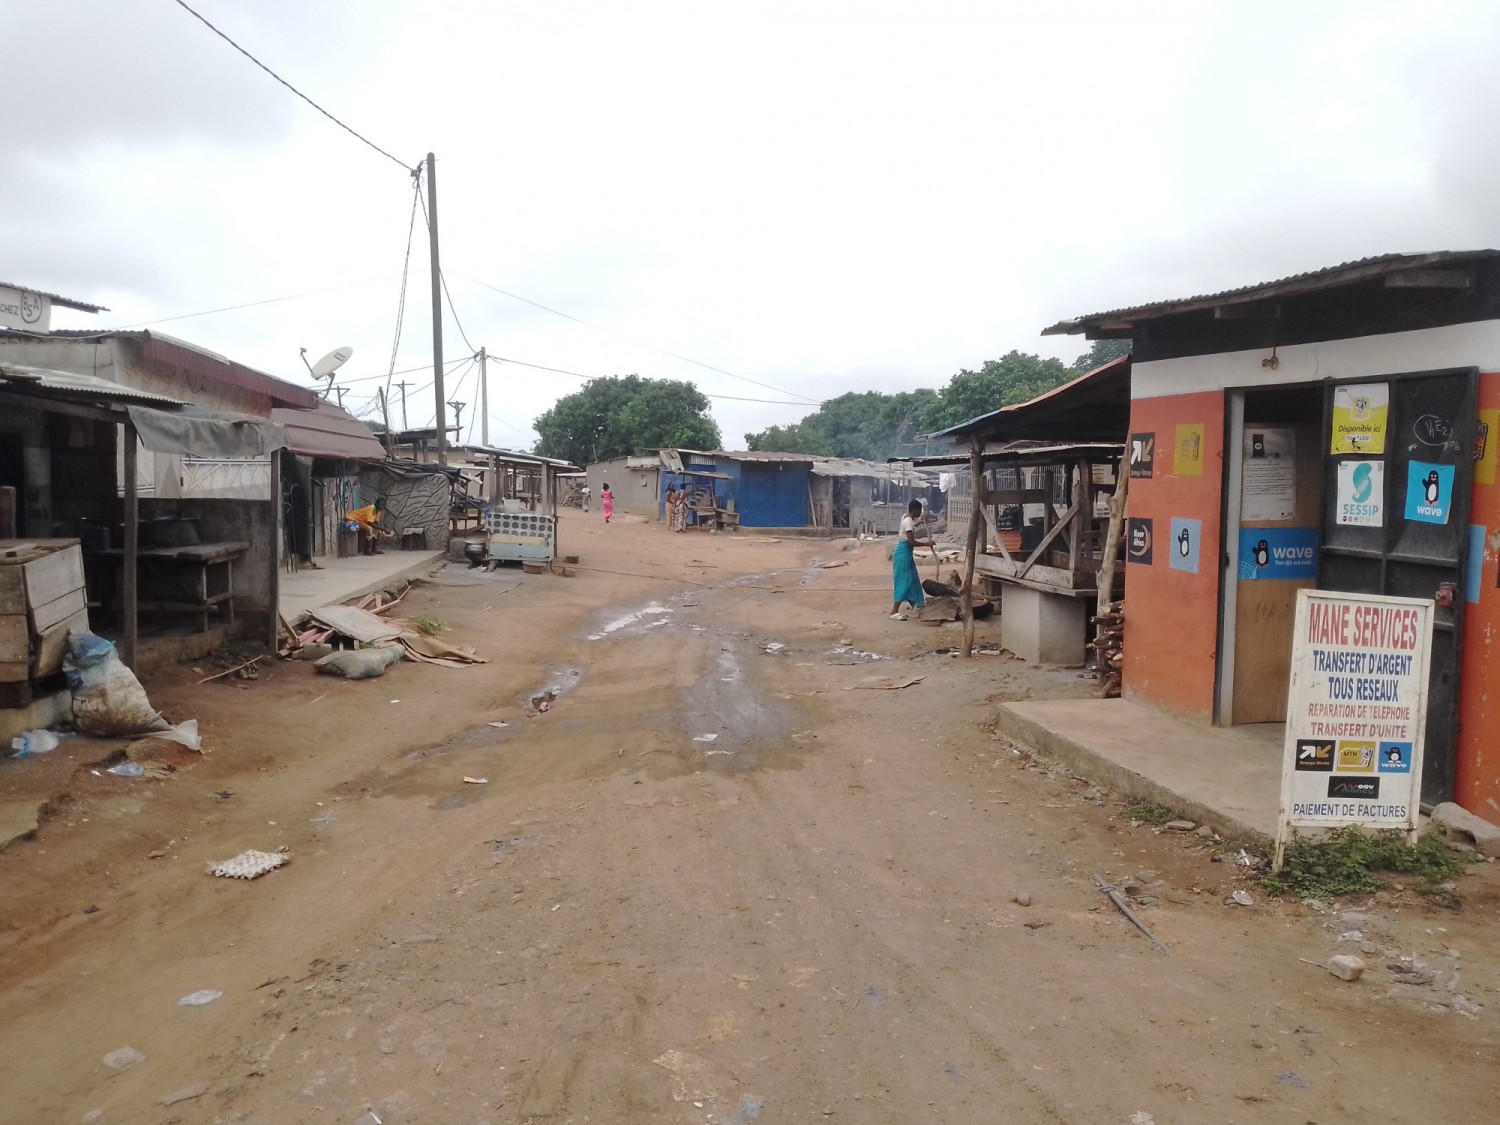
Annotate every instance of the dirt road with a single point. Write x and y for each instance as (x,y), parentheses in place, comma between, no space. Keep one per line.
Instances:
(736,872)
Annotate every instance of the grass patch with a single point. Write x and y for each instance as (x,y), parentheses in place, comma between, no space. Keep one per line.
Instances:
(1350,861)
(1149,812)
(430,626)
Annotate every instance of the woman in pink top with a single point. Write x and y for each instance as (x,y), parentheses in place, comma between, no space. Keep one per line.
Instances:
(606,502)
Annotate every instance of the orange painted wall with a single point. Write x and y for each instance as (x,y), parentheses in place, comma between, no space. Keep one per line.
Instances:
(1477,784)
(1171,616)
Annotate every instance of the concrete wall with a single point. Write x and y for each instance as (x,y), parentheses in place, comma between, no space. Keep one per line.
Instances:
(256,572)
(637,491)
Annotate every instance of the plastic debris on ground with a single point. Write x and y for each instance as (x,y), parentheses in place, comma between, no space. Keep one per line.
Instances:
(33,742)
(705,737)
(124,1058)
(1243,898)
(476,781)
(184,734)
(249,864)
(199,998)
(127,769)
(186,1094)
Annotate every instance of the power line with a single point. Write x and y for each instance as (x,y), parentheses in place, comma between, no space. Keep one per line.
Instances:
(289,86)
(444,282)
(249,304)
(411,226)
(638,343)
(705,394)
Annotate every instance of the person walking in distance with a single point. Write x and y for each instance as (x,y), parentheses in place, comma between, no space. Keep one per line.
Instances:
(583,496)
(606,501)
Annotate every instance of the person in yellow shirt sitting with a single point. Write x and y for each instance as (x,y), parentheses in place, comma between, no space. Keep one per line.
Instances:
(366,521)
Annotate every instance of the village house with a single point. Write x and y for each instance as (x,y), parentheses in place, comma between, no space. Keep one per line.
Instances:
(1334,430)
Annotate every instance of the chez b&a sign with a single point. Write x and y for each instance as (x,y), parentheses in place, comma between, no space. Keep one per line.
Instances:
(1356,711)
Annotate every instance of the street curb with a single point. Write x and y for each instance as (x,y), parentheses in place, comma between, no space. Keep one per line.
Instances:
(1095,767)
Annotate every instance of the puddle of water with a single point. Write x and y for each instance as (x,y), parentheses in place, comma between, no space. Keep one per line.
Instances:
(655,609)
(512,843)
(560,683)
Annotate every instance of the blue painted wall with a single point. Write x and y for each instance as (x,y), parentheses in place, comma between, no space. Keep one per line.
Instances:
(770,494)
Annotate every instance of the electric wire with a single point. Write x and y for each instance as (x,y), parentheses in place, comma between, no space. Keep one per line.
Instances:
(443,281)
(251,304)
(705,394)
(357,136)
(411,226)
(638,343)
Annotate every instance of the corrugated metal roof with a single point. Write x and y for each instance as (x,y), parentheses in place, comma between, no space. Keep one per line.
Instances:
(196,360)
(857,467)
(70,384)
(1083,408)
(1014,450)
(328,431)
(56,298)
(1347,273)
(745,455)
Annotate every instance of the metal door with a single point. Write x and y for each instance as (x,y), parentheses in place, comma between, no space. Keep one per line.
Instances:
(1395,520)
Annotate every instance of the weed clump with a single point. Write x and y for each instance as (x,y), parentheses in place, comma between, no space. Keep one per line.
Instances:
(1149,812)
(1350,861)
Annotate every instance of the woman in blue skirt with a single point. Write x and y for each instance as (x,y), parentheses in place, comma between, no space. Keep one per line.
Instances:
(908,586)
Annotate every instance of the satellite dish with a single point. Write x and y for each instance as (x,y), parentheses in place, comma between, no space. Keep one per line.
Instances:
(331,362)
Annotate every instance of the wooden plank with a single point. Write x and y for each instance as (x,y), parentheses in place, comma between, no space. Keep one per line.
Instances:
(52,645)
(1051,535)
(12,589)
(130,579)
(43,617)
(53,575)
(15,639)
(356,624)
(12,672)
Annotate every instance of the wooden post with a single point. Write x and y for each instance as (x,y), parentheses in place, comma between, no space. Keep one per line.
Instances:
(131,519)
(1106,576)
(272,634)
(976,523)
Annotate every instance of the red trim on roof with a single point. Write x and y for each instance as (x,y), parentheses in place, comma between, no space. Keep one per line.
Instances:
(280,392)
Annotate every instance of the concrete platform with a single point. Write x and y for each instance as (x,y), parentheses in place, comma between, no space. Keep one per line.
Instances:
(1228,778)
(339,580)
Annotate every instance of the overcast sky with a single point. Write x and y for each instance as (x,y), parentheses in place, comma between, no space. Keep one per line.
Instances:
(815,195)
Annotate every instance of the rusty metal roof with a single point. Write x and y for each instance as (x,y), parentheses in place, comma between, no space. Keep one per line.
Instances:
(328,431)
(1347,273)
(56,298)
(195,360)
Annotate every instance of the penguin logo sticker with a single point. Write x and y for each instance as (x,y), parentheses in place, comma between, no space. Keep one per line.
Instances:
(1278,552)
(1262,553)
(1429,492)
(1186,535)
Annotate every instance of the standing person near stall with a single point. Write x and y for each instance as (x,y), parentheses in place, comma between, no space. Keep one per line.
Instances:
(606,501)
(908,586)
(679,517)
(671,511)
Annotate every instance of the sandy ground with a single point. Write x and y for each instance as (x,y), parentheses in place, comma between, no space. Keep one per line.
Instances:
(809,917)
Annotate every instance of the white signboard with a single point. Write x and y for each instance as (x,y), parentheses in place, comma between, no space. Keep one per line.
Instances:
(1361,494)
(23,309)
(1356,710)
(1268,474)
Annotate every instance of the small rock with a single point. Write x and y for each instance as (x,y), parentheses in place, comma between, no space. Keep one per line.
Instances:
(1452,954)
(1346,966)
(1359,918)
(1351,935)
(1179,826)
(1243,898)
(1467,1007)
(1206,832)
(1315,904)
(1368,947)
(1022,899)
(1462,823)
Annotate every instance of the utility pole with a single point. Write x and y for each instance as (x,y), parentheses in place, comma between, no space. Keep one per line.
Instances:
(484,399)
(385,410)
(403,384)
(437,311)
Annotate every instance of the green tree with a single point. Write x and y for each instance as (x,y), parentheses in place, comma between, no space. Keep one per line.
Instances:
(1014,377)
(866,424)
(623,415)
(1100,352)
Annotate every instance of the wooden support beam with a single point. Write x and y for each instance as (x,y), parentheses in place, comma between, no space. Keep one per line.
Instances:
(1051,535)
(966,597)
(129,589)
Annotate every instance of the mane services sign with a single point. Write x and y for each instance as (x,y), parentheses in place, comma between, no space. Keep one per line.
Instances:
(1356,711)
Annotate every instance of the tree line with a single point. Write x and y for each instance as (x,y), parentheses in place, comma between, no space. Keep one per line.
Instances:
(628,415)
